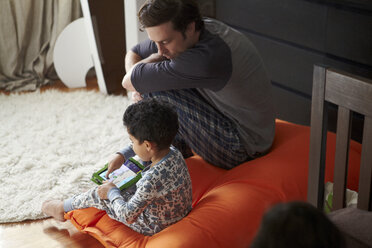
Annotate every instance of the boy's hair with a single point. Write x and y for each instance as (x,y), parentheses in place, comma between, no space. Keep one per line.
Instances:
(152,120)
(180,12)
(297,224)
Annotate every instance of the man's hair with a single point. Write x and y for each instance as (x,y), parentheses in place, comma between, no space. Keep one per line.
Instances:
(152,120)
(297,225)
(180,12)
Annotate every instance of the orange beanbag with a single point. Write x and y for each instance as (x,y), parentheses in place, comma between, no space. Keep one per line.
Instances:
(228,204)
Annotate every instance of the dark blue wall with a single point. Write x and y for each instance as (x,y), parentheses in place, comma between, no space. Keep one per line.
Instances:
(293,35)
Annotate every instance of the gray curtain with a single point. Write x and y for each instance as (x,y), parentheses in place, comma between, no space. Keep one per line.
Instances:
(28,32)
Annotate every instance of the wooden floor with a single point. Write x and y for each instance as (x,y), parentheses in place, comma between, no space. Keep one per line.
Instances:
(47,233)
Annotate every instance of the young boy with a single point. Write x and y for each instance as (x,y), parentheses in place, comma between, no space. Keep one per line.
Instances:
(162,196)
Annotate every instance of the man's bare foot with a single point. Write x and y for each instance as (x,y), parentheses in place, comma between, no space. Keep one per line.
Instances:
(54,208)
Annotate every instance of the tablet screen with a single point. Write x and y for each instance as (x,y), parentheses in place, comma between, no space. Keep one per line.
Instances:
(122,175)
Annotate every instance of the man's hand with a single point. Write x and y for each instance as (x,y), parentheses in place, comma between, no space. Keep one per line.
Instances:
(115,164)
(104,189)
(135,97)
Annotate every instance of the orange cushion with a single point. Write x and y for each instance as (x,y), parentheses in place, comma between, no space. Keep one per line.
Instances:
(228,205)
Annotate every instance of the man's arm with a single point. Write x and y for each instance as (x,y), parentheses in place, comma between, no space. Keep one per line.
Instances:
(131,60)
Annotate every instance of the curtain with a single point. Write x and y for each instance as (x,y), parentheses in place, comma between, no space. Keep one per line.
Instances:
(28,32)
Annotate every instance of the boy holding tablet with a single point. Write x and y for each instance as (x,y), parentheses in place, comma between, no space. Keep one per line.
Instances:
(162,196)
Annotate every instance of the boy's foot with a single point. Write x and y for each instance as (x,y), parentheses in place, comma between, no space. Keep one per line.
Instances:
(54,208)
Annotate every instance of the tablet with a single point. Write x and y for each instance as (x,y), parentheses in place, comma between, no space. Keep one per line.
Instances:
(124,177)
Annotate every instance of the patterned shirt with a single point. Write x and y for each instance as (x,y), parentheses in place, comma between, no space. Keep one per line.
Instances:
(160,198)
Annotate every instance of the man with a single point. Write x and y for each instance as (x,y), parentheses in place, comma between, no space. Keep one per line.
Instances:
(213,76)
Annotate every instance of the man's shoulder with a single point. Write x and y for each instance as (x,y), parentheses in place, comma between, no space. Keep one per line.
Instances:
(217,27)
(211,24)
(229,35)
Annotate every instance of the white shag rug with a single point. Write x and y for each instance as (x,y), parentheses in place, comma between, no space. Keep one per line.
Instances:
(51,143)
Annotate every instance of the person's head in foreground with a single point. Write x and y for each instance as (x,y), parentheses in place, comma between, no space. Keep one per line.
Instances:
(174,25)
(297,225)
(152,126)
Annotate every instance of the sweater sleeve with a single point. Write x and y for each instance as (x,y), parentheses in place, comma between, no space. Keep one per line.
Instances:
(206,65)
(127,152)
(145,48)
(130,210)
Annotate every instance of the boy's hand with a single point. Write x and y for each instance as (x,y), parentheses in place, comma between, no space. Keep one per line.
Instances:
(115,164)
(104,189)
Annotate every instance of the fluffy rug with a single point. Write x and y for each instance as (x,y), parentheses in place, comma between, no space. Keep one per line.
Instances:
(51,143)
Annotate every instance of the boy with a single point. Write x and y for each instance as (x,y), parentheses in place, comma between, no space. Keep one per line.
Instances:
(162,196)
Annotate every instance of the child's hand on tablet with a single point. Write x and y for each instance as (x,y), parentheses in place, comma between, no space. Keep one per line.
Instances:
(115,164)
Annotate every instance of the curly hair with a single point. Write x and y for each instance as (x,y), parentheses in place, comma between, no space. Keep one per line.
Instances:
(152,120)
(298,225)
(180,12)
